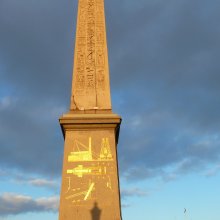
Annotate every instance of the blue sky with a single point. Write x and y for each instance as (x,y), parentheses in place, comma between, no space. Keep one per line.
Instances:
(165,83)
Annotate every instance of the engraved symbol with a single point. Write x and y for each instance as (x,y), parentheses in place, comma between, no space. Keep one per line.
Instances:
(80,59)
(68,188)
(89,191)
(82,15)
(81,155)
(100,79)
(80,78)
(80,171)
(80,31)
(105,153)
(100,57)
(90,78)
(81,41)
(99,13)
(84,153)
(109,183)
(100,37)
(78,193)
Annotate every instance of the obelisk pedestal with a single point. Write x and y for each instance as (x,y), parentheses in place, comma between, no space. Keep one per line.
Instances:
(90,172)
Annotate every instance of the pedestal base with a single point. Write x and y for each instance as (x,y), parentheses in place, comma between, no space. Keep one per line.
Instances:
(90,186)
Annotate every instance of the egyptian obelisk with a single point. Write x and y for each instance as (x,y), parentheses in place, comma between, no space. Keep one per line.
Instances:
(90,183)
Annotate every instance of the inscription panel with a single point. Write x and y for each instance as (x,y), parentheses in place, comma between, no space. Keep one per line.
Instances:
(89,172)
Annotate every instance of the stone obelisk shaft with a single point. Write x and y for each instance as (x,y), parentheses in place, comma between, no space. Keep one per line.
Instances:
(90,88)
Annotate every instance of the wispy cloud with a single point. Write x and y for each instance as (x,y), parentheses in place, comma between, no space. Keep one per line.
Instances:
(125,205)
(52,185)
(5,102)
(130,192)
(43,183)
(212,171)
(18,178)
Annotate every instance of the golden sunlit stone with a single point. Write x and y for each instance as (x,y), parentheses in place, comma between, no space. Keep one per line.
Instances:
(90,186)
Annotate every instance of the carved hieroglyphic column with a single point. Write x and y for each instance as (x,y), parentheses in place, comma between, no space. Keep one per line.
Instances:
(91,88)
(90,184)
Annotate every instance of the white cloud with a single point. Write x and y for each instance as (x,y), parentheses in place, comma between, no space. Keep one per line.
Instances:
(18,178)
(49,203)
(13,204)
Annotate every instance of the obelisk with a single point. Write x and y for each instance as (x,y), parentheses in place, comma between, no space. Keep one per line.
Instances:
(90,183)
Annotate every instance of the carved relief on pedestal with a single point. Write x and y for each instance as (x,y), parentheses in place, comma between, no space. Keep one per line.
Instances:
(90,169)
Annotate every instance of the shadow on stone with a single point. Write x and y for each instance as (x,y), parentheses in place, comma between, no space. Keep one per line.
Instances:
(96,212)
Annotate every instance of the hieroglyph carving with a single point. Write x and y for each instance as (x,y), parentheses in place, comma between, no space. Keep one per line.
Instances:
(91,75)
